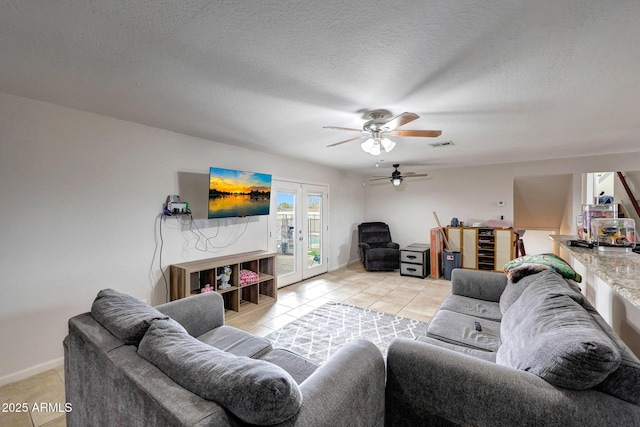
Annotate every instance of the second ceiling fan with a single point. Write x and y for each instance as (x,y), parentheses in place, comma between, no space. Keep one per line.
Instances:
(377,131)
(397,177)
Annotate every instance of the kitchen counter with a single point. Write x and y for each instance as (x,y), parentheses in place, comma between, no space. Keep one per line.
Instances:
(620,270)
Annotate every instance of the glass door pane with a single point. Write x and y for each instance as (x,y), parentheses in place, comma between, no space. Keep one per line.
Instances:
(286,232)
(314,229)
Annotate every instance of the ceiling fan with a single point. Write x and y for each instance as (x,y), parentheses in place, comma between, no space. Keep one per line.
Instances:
(377,131)
(397,177)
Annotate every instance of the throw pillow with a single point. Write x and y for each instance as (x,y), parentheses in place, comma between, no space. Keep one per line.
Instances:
(548,333)
(126,317)
(532,264)
(513,291)
(548,279)
(255,391)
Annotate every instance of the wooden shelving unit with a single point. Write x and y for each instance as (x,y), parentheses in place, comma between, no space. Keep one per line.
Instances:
(483,248)
(486,249)
(189,278)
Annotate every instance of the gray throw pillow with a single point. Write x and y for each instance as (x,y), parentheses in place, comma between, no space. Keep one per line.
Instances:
(548,279)
(546,332)
(126,317)
(255,391)
(513,291)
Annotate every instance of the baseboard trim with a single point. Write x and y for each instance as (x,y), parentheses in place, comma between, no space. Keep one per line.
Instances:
(353,261)
(29,372)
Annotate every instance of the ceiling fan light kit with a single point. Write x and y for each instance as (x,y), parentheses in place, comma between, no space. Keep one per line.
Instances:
(387,144)
(377,130)
(372,145)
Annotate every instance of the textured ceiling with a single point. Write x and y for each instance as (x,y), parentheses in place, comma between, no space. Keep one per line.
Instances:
(504,80)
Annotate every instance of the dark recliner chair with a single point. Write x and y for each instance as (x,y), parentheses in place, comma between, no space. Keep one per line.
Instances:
(377,251)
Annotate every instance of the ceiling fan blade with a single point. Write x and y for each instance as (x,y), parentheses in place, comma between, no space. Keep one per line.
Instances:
(400,120)
(413,174)
(340,128)
(345,141)
(380,178)
(422,133)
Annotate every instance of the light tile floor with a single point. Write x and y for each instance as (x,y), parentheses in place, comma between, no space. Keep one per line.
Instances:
(384,291)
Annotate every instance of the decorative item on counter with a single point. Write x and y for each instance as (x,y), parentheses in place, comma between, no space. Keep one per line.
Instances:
(582,231)
(247,277)
(207,288)
(613,233)
(455,222)
(590,212)
(224,278)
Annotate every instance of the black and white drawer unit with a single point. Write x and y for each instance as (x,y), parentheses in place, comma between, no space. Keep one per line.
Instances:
(415,261)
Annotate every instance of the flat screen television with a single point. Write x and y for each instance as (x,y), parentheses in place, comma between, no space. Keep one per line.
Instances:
(234,193)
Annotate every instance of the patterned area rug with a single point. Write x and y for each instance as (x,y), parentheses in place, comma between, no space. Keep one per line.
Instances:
(322,332)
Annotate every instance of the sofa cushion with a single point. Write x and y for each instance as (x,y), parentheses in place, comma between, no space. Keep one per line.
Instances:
(622,383)
(489,356)
(513,290)
(236,341)
(478,284)
(472,306)
(546,332)
(126,317)
(197,314)
(299,367)
(532,264)
(255,391)
(459,329)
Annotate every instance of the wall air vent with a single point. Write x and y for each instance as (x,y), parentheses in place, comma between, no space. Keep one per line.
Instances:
(442,144)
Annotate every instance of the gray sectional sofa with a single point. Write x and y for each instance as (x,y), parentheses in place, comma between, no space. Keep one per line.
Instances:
(498,353)
(129,364)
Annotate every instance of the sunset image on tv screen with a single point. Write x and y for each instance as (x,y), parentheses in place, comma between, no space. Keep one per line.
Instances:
(234,193)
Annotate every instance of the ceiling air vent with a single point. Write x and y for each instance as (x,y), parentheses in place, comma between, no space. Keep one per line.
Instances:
(442,144)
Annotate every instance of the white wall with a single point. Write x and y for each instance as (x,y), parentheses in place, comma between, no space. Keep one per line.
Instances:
(468,194)
(537,241)
(471,194)
(81,194)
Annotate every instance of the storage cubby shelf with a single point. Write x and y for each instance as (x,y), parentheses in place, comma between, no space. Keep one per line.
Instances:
(189,278)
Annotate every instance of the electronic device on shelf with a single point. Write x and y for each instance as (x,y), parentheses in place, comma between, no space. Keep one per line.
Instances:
(175,206)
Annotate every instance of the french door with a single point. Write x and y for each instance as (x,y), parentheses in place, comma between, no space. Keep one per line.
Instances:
(298,231)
